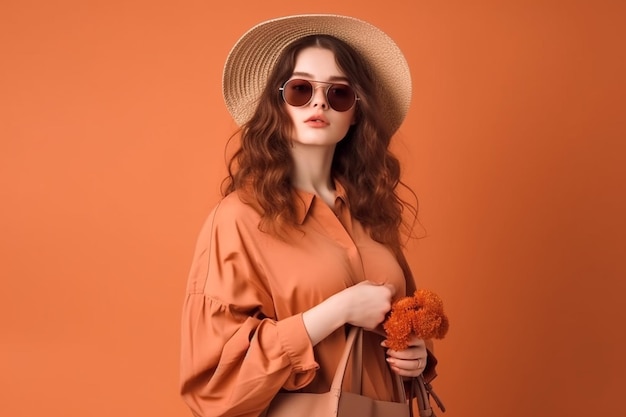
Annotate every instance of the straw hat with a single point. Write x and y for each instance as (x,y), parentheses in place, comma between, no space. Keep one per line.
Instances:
(253,57)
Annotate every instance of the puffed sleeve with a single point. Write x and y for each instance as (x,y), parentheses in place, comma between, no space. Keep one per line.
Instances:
(234,356)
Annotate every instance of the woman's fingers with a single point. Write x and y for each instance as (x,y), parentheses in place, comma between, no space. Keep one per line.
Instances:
(410,361)
(407,367)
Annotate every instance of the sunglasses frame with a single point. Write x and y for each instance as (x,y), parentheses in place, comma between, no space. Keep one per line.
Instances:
(314,87)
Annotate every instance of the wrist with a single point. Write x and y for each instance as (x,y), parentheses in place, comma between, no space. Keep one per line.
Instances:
(341,307)
(324,318)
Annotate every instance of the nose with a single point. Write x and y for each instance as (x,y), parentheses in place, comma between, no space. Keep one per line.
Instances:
(319,97)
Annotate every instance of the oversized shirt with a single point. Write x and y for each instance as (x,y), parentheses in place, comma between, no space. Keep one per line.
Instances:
(243,337)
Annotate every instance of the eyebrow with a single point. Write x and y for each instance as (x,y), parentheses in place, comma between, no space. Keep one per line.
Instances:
(332,78)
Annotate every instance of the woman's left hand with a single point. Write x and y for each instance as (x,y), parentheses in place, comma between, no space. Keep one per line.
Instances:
(409,362)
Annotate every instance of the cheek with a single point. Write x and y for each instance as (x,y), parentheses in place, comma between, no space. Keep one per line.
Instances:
(291,119)
(290,112)
(353,117)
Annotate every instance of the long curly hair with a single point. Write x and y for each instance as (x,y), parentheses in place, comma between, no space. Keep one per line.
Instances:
(362,163)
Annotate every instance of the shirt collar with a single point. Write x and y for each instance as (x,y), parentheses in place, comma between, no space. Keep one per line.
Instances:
(304,201)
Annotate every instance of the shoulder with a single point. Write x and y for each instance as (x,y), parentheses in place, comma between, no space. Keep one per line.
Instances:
(236,206)
(233,213)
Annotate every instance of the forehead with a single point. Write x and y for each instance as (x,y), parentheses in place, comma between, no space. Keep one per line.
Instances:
(318,63)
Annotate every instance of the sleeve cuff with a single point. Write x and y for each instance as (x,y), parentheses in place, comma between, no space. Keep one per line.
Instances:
(294,339)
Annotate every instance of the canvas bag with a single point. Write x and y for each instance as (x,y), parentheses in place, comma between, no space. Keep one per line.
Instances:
(340,403)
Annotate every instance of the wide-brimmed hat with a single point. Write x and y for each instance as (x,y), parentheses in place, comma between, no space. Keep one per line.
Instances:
(253,57)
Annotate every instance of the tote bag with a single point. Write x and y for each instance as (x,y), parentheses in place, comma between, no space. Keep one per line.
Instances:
(340,403)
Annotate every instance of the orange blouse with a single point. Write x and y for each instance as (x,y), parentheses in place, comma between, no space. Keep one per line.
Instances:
(243,338)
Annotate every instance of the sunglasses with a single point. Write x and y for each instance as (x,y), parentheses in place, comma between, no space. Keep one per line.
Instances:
(298,93)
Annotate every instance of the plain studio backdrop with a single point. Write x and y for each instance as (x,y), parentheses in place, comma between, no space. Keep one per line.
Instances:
(112,134)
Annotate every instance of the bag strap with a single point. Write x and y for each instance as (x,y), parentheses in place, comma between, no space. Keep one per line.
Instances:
(354,350)
(357,362)
(422,391)
(343,362)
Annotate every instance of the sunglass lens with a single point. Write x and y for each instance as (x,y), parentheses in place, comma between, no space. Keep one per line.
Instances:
(341,97)
(298,92)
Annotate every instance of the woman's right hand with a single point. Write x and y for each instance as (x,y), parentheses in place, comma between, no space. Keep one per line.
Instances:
(367,303)
(364,305)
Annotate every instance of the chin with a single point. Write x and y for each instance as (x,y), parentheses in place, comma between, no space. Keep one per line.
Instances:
(319,140)
(314,142)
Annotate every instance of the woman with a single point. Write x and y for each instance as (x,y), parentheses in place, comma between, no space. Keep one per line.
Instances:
(307,237)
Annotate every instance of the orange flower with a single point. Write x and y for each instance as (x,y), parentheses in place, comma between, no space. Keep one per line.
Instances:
(421,315)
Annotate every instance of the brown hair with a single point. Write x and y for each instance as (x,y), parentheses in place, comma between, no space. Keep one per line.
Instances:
(262,165)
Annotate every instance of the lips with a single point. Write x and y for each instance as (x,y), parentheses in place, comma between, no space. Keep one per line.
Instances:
(317,120)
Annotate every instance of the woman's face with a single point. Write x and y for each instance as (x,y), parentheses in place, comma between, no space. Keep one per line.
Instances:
(317,123)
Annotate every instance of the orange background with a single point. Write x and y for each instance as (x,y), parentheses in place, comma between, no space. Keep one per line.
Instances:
(112,130)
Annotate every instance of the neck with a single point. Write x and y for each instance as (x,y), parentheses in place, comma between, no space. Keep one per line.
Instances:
(312,170)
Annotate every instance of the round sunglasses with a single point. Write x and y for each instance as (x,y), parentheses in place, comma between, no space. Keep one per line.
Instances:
(298,93)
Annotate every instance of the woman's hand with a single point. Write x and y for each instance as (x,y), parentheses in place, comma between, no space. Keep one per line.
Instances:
(364,305)
(409,362)
(367,304)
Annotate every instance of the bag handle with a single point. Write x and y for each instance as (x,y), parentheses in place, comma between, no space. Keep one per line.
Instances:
(422,391)
(343,362)
(354,348)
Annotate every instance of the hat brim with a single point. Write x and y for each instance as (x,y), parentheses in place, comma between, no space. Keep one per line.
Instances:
(253,57)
